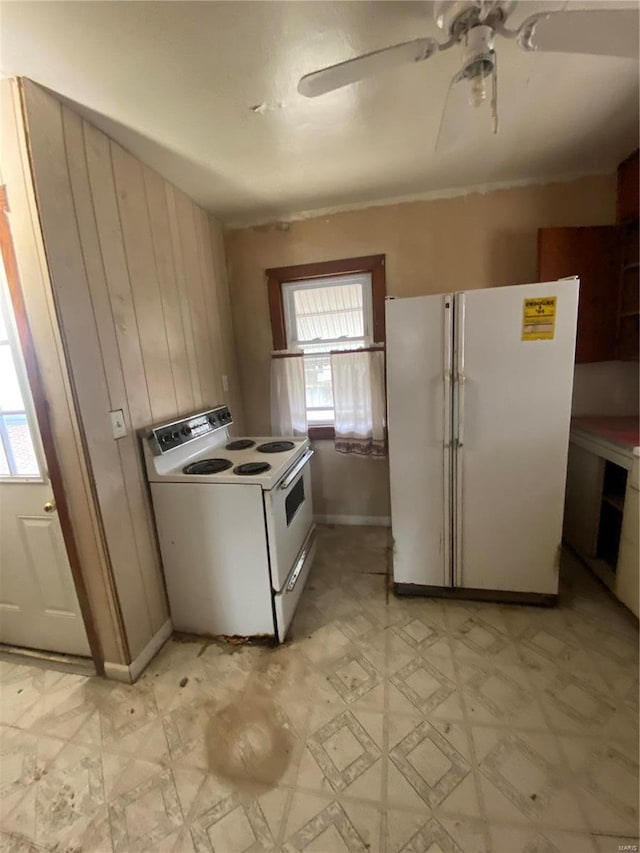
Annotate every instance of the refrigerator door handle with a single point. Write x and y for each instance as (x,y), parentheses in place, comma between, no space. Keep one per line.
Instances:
(459,443)
(460,375)
(460,381)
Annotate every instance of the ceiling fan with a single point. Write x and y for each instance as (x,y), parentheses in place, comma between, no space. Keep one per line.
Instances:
(474,25)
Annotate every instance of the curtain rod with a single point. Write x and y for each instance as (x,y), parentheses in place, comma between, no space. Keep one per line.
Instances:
(331,352)
(379,348)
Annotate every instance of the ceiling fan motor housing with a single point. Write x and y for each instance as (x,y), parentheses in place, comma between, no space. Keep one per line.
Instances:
(458,17)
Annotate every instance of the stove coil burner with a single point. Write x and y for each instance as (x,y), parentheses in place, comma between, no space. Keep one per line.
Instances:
(276,447)
(240,444)
(208,466)
(252,468)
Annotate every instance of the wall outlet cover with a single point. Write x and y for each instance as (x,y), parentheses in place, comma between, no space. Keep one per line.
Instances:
(117,423)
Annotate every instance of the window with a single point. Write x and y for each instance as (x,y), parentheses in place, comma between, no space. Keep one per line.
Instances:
(322,307)
(17,452)
(320,316)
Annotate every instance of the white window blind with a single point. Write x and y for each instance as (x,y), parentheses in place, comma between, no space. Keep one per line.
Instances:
(324,315)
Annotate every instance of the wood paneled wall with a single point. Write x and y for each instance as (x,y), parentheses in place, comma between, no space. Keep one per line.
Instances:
(50,356)
(142,302)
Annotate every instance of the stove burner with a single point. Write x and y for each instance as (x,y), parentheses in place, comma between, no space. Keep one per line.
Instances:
(276,447)
(252,468)
(207,466)
(240,444)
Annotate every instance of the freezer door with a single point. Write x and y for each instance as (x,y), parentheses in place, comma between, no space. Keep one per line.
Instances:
(419,353)
(514,379)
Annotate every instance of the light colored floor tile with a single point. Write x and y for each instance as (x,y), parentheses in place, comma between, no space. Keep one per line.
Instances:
(319,824)
(540,840)
(430,766)
(386,722)
(406,833)
(607,774)
(523,779)
(343,753)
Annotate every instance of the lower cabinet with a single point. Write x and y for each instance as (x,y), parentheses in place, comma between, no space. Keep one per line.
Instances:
(602,520)
(627,586)
(585,473)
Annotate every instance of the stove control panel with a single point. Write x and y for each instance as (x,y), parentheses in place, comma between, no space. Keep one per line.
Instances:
(168,436)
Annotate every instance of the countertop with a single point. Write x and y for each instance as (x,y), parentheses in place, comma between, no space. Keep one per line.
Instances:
(624,431)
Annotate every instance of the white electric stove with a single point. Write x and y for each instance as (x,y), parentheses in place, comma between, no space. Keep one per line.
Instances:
(235,524)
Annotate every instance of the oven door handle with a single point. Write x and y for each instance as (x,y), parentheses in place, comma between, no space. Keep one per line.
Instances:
(295,574)
(296,470)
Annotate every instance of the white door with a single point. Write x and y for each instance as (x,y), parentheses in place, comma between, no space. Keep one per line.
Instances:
(38,602)
(515,379)
(419,423)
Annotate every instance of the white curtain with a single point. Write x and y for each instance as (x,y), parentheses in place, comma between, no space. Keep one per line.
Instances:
(359,401)
(288,398)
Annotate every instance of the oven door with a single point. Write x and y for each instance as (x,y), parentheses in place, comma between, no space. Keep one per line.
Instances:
(289,510)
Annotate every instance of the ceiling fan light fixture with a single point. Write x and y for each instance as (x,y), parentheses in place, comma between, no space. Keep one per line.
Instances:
(479,61)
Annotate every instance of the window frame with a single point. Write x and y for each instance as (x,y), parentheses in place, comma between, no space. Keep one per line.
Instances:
(375,265)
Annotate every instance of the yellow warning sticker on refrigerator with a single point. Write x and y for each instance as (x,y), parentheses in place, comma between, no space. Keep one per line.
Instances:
(539,318)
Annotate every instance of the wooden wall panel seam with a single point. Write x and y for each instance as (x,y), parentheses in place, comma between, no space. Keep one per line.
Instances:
(167,274)
(137,247)
(107,340)
(212,311)
(195,297)
(185,311)
(160,289)
(128,295)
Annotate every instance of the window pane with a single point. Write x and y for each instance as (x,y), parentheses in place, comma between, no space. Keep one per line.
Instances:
(324,417)
(317,369)
(24,457)
(10,395)
(329,312)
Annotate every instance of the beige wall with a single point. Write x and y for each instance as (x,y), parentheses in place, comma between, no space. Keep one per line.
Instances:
(431,247)
(143,308)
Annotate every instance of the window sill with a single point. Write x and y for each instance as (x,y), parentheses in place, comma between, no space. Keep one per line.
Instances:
(321,433)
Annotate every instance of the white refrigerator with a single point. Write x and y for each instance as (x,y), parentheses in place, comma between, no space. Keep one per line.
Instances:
(479,388)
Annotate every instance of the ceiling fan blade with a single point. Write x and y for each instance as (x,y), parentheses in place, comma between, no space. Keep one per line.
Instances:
(344,73)
(600,32)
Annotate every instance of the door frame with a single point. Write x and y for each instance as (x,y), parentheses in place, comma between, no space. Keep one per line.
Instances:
(46,434)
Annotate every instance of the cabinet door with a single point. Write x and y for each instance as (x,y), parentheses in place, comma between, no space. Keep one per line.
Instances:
(628,180)
(585,472)
(627,586)
(593,254)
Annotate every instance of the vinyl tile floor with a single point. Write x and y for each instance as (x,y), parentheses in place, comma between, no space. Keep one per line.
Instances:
(384,724)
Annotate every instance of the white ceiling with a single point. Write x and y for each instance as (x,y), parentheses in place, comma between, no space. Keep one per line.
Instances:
(174,82)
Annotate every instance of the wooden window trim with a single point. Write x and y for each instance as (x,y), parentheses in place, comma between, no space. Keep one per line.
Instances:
(277,276)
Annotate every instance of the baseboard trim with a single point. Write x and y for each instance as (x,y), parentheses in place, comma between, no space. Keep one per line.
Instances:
(365,520)
(130,674)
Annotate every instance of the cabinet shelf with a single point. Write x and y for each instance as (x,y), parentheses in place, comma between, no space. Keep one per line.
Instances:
(633,266)
(616,501)
(635,313)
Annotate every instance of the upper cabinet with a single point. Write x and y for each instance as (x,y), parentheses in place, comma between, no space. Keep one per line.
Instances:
(606,260)
(628,190)
(628,340)
(593,254)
